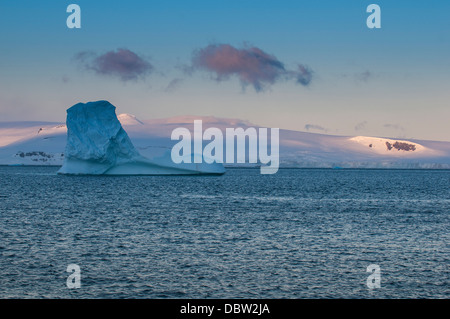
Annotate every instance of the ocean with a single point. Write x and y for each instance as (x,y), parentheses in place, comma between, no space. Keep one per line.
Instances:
(300,233)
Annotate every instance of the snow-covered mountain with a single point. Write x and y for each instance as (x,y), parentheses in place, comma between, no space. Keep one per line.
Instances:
(43,143)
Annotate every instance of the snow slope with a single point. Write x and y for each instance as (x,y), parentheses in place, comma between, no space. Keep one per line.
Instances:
(317,150)
(22,144)
(32,143)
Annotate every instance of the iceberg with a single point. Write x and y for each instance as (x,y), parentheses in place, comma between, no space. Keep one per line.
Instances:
(97,144)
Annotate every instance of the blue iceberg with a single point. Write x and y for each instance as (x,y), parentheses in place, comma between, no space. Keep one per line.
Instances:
(97,144)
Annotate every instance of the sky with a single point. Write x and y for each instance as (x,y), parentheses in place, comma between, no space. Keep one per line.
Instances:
(303,65)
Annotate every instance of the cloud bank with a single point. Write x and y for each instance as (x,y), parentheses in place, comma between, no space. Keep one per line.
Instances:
(173,85)
(364,76)
(314,127)
(394,127)
(122,63)
(251,65)
(360,126)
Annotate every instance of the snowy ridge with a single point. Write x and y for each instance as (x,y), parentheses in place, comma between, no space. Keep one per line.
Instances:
(128,119)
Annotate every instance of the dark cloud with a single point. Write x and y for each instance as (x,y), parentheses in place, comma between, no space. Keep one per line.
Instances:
(251,65)
(314,127)
(121,63)
(358,77)
(173,85)
(303,75)
(398,129)
(360,125)
(84,56)
(394,127)
(363,76)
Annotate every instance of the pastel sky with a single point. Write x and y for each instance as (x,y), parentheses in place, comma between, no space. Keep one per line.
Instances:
(302,65)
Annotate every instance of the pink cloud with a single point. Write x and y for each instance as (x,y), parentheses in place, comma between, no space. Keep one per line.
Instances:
(122,63)
(251,65)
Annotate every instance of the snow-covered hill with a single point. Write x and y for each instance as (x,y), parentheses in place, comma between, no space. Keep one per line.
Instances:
(43,143)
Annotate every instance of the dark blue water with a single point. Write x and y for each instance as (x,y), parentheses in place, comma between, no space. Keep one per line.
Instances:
(297,234)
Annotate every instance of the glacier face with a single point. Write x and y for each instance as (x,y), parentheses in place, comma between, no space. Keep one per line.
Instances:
(97,144)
